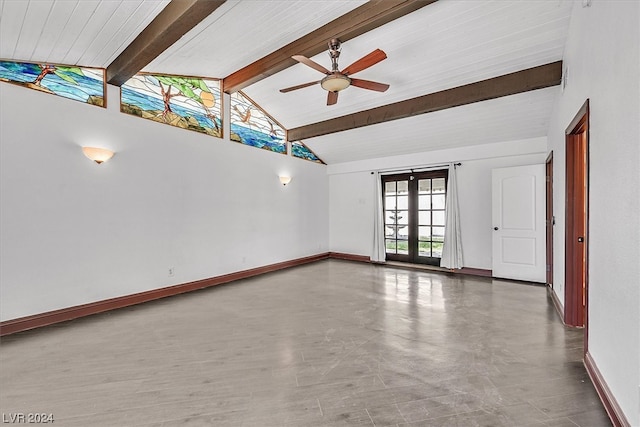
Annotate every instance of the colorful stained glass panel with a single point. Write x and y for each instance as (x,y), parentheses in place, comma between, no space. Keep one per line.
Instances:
(77,83)
(191,103)
(299,149)
(250,125)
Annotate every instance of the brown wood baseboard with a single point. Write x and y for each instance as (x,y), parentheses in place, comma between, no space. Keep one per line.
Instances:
(56,316)
(556,303)
(610,404)
(349,257)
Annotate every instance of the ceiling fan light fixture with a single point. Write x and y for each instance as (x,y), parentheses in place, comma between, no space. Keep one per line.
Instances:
(335,82)
(338,80)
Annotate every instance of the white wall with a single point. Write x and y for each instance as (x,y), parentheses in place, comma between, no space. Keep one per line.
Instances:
(602,56)
(75,232)
(352,192)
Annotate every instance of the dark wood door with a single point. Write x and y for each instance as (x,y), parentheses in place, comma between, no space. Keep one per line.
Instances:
(549,220)
(414,212)
(576,233)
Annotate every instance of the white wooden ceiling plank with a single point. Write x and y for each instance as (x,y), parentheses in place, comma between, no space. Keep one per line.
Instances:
(225,44)
(92,32)
(516,40)
(484,67)
(466,55)
(129,30)
(11,22)
(183,49)
(72,30)
(508,118)
(37,14)
(107,43)
(52,30)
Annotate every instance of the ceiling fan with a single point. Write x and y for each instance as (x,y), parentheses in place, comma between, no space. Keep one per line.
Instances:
(336,80)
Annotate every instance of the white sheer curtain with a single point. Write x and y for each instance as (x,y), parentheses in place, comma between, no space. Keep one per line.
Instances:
(378,252)
(452,249)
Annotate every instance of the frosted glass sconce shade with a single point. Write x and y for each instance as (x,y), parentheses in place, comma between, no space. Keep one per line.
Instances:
(98,155)
(285,180)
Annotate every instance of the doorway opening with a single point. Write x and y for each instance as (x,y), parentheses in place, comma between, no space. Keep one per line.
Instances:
(414,216)
(576,220)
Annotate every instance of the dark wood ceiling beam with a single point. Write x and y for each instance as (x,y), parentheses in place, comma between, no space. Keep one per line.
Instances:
(175,20)
(508,84)
(367,17)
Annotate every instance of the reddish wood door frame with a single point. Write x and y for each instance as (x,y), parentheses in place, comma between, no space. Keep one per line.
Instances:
(576,220)
(549,220)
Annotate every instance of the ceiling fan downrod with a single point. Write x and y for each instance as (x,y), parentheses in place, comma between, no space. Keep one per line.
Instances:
(334,54)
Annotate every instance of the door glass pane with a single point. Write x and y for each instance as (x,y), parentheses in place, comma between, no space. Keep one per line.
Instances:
(438,233)
(438,217)
(424,233)
(402,217)
(403,187)
(424,202)
(391,246)
(397,222)
(436,249)
(389,231)
(438,201)
(424,249)
(390,202)
(437,185)
(390,187)
(424,218)
(403,202)
(403,247)
(402,224)
(424,186)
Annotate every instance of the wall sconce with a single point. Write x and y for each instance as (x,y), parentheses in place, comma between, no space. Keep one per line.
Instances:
(98,155)
(285,179)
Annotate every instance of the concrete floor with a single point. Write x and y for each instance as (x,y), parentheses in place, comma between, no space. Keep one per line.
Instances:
(333,343)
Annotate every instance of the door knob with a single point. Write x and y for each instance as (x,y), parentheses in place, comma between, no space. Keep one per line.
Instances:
(495,228)
(580,239)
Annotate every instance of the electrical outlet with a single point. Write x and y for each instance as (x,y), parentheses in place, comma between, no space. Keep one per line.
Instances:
(171,271)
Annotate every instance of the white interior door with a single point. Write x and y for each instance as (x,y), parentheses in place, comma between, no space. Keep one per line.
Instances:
(518,213)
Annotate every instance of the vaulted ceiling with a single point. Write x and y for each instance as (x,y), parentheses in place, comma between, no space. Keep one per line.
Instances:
(461,72)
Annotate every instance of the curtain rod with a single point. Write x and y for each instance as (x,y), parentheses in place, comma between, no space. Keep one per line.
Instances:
(412,170)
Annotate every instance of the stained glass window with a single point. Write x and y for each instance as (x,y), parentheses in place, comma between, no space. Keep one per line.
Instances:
(299,149)
(77,83)
(250,125)
(186,102)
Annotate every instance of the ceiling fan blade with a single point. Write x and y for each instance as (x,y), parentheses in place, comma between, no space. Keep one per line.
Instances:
(365,62)
(289,89)
(332,98)
(306,61)
(368,84)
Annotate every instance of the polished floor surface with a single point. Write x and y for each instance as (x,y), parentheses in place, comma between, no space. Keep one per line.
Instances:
(333,343)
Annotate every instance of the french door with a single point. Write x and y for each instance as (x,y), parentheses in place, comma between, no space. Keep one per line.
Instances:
(414,216)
